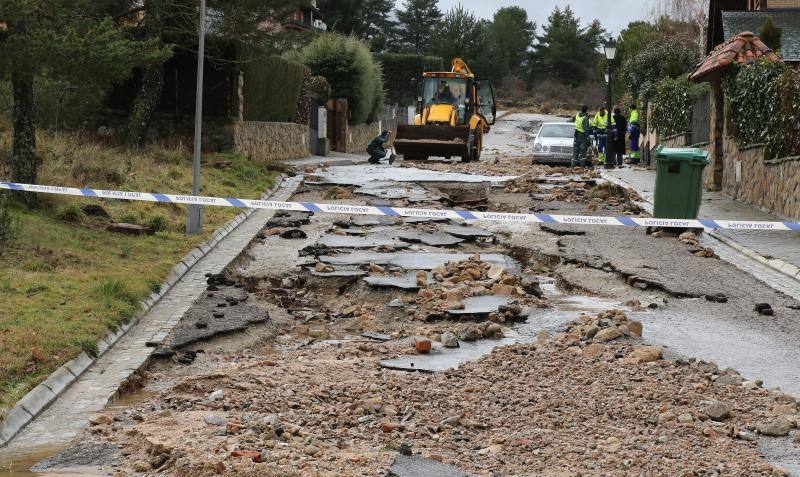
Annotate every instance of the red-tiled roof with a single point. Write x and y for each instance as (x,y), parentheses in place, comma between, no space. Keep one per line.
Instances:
(744,49)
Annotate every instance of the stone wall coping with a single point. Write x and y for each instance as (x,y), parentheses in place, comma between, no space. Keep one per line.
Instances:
(782,160)
(44,394)
(675,136)
(753,146)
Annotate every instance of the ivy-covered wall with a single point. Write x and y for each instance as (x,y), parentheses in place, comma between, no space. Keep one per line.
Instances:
(764,107)
(672,102)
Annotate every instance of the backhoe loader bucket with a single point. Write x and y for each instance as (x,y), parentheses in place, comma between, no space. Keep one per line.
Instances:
(418,142)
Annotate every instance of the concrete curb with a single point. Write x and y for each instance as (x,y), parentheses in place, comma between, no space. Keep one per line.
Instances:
(776,264)
(39,398)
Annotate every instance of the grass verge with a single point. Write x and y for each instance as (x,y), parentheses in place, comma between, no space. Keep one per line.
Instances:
(65,280)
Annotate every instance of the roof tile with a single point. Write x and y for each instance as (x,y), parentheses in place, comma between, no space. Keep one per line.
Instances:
(743,48)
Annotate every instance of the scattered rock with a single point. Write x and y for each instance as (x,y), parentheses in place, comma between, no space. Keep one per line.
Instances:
(636,328)
(449,340)
(323,268)
(216,395)
(717,411)
(607,334)
(100,419)
(645,354)
(423,345)
(777,427)
(140,466)
(764,309)
(594,350)
(214,420)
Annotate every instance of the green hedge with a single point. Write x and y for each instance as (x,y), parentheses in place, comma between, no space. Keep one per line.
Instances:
(398,69)
(351,71)
(765,106)
(272,88)
(672,105)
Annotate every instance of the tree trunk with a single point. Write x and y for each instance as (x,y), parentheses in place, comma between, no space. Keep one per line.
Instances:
(24,161)
(145,104)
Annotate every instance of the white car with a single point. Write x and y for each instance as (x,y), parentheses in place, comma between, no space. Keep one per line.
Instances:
(554,143)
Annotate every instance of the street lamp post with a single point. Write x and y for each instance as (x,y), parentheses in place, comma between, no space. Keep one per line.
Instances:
(610,49)
(196,214)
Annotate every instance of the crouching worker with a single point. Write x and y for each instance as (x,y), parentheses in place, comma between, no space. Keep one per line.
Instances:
(378,151)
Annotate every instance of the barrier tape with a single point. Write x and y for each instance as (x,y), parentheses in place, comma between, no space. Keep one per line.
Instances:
(625,221)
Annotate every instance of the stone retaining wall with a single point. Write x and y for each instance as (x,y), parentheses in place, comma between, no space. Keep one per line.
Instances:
(772,185)
(271,142)
(359,135)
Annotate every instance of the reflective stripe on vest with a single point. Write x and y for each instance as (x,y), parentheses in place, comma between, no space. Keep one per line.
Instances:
(579,123)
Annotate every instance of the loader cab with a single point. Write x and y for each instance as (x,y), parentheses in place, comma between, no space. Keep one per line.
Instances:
(444,97)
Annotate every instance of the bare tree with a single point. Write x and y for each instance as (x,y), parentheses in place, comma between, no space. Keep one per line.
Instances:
(694,13)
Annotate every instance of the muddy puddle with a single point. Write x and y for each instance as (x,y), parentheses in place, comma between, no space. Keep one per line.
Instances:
(565,308)
(18,462)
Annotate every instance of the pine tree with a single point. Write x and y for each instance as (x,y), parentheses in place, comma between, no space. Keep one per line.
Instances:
(771,35)
(74,40)
(511,36)
(566,52)
(462,34)
(417,23)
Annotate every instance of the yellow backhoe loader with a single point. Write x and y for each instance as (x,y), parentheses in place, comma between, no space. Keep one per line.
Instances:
(454,111)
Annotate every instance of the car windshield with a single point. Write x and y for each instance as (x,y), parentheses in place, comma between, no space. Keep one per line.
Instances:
(557,130)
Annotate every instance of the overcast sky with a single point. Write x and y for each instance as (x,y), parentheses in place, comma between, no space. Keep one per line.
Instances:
(613,14)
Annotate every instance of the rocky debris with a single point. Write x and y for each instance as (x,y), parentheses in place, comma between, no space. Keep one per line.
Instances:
(467,287)
(777,427)
(449,340)
(330,410)
(323,268)
(717,411)
(337,193)
(689,238)
(293,234)
(764,309)
(717,298)
(644,354)
(100,419)
(422,345)
(604,327)
(706,252)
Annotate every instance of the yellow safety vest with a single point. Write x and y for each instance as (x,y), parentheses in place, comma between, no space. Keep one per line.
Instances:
(601,122)
(634,116)
(579,123)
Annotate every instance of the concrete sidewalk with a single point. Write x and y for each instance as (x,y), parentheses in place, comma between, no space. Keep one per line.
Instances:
(777,249)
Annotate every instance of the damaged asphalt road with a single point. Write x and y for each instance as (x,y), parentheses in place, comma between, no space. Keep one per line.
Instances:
(553,350)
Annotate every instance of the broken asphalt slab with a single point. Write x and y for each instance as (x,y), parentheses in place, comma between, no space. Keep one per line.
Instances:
(370,241)
(415,260)
(361,175)
(407,281)
(482,305)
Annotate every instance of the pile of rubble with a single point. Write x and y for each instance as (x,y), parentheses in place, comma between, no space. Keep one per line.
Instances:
(534,409)
(689,238)
(453,282)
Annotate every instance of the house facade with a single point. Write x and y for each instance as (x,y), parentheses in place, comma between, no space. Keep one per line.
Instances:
(729,18)
(306,18)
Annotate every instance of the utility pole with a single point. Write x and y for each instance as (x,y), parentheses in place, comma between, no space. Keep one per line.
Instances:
(194,221)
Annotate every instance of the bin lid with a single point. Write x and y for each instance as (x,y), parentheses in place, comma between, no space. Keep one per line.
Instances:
(688,154)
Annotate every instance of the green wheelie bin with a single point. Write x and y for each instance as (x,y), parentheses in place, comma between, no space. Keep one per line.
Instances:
(679,182)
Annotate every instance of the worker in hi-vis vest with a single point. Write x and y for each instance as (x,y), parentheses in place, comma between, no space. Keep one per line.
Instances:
(601,134)
(635,132)
(581,144)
